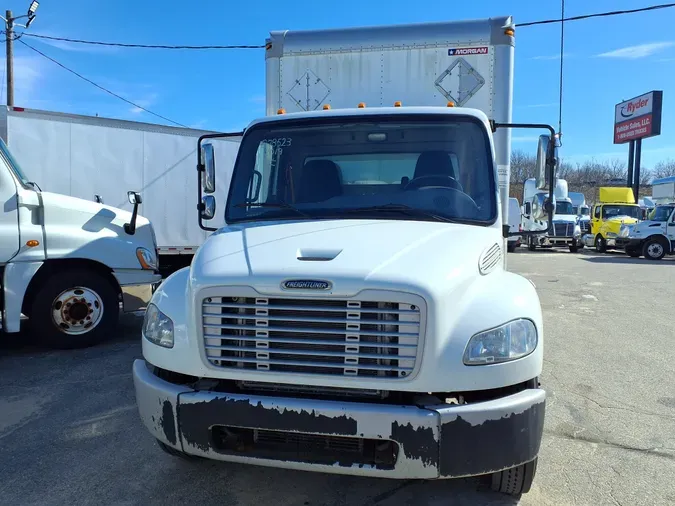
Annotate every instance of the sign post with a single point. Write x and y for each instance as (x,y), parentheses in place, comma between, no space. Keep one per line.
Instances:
(634,120)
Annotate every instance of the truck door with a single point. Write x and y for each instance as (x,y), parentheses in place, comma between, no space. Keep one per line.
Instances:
(9,215)
(670,230)
(595,219)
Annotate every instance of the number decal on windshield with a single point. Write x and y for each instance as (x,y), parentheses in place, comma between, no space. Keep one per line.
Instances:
(279,142)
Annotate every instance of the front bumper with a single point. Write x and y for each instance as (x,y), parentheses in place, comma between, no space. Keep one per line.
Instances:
(440,441)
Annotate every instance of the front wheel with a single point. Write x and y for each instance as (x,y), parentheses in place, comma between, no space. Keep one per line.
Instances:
(574,247)
(74,309)
(654,249)
(600,244)
(531,245)
(515,481)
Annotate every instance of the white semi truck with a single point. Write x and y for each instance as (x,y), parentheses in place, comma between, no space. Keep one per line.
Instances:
(566,230)
(582,210)
(89,157)
(654,237)
(355,315)
(67,263)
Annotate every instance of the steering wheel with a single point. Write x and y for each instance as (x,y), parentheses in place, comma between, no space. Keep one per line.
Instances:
(433,181)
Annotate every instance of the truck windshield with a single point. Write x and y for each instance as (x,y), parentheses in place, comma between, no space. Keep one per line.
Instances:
(564,208)
(661,213)
(13,164)
(384,167)
(585,211)
(612,211)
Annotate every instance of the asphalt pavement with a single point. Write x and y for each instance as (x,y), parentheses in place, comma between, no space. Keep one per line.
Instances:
(70,433)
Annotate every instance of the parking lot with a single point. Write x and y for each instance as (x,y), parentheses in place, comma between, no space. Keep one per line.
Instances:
(70,433)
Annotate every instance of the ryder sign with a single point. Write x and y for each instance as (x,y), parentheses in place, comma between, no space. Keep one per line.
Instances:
(638,118)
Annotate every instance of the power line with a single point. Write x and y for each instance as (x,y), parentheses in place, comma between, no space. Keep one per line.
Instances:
(144,46)
(597,15)
(99,86)
(207,47)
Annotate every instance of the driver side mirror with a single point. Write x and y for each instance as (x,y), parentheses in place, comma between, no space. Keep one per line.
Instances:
(528,209)
(209,167)
(135,200)
(546,151)
(207,209)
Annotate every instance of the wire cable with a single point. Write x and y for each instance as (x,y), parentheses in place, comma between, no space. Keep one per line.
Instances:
(207,47)
(101,87)
(562,48)
(143,46)
(598,15)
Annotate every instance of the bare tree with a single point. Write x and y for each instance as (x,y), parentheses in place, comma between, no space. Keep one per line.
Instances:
(664,168)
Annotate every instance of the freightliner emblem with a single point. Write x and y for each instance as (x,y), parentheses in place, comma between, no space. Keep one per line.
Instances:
(306,284)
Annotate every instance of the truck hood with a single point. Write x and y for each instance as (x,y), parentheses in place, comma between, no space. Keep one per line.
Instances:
(77,228)
(348,253)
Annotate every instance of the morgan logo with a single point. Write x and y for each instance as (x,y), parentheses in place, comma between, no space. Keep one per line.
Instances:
(306,284)
(466,51)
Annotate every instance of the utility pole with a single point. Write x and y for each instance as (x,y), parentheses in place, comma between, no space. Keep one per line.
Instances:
(9,44)
(9,34)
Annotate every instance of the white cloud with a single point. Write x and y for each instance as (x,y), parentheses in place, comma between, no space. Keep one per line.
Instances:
(28,75)
(639,51)
(145,101)
(525,138)
(258,99)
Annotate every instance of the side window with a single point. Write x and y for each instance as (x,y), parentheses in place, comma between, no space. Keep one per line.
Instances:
(596,212)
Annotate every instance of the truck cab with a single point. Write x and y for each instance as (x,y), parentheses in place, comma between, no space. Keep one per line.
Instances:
(654,237)
(615,207)
(355,315)
(67,263)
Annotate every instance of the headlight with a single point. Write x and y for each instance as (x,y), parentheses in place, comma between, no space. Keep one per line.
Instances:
(611,234)
(511,341)
(147,259)
(624,231)
(157,327)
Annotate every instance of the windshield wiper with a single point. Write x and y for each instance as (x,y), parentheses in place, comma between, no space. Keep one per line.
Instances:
(401,208)
(276,205)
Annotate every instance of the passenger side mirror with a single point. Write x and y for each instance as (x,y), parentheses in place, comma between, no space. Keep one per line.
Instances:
(254,188)
(209,167)
(134,198)
(542,207)
(528,209)
(98,199)
(207,209)
(545,150)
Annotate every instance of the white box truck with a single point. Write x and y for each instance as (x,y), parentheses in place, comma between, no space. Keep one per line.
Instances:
(86,156)
(355,315)
(67,263)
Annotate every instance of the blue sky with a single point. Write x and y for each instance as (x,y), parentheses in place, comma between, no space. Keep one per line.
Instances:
(607,60)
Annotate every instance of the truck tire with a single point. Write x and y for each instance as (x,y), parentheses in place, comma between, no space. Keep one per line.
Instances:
(574,247)
(654,248)
(531,245)
(600,244)
(511,247)
(74,309)
(515,481)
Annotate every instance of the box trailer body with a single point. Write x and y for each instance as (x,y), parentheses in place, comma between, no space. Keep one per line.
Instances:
(354,314)
(84,156)
(470,65)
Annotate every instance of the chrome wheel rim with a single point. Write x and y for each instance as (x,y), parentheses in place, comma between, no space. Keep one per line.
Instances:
(77,310)
(655,250)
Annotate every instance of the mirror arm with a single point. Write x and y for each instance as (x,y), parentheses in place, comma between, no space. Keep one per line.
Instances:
(130,228)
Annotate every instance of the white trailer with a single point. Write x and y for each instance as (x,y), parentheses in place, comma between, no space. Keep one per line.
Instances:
(85,156)
(355,315)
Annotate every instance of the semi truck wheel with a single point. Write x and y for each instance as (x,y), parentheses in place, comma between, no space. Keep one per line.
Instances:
(654,249)
(531,245)
(515,481)
(574,247)
(600,244)
(74,309)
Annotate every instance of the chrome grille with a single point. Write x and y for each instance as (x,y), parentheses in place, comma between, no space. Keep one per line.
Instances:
(562,229)
(315,336)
